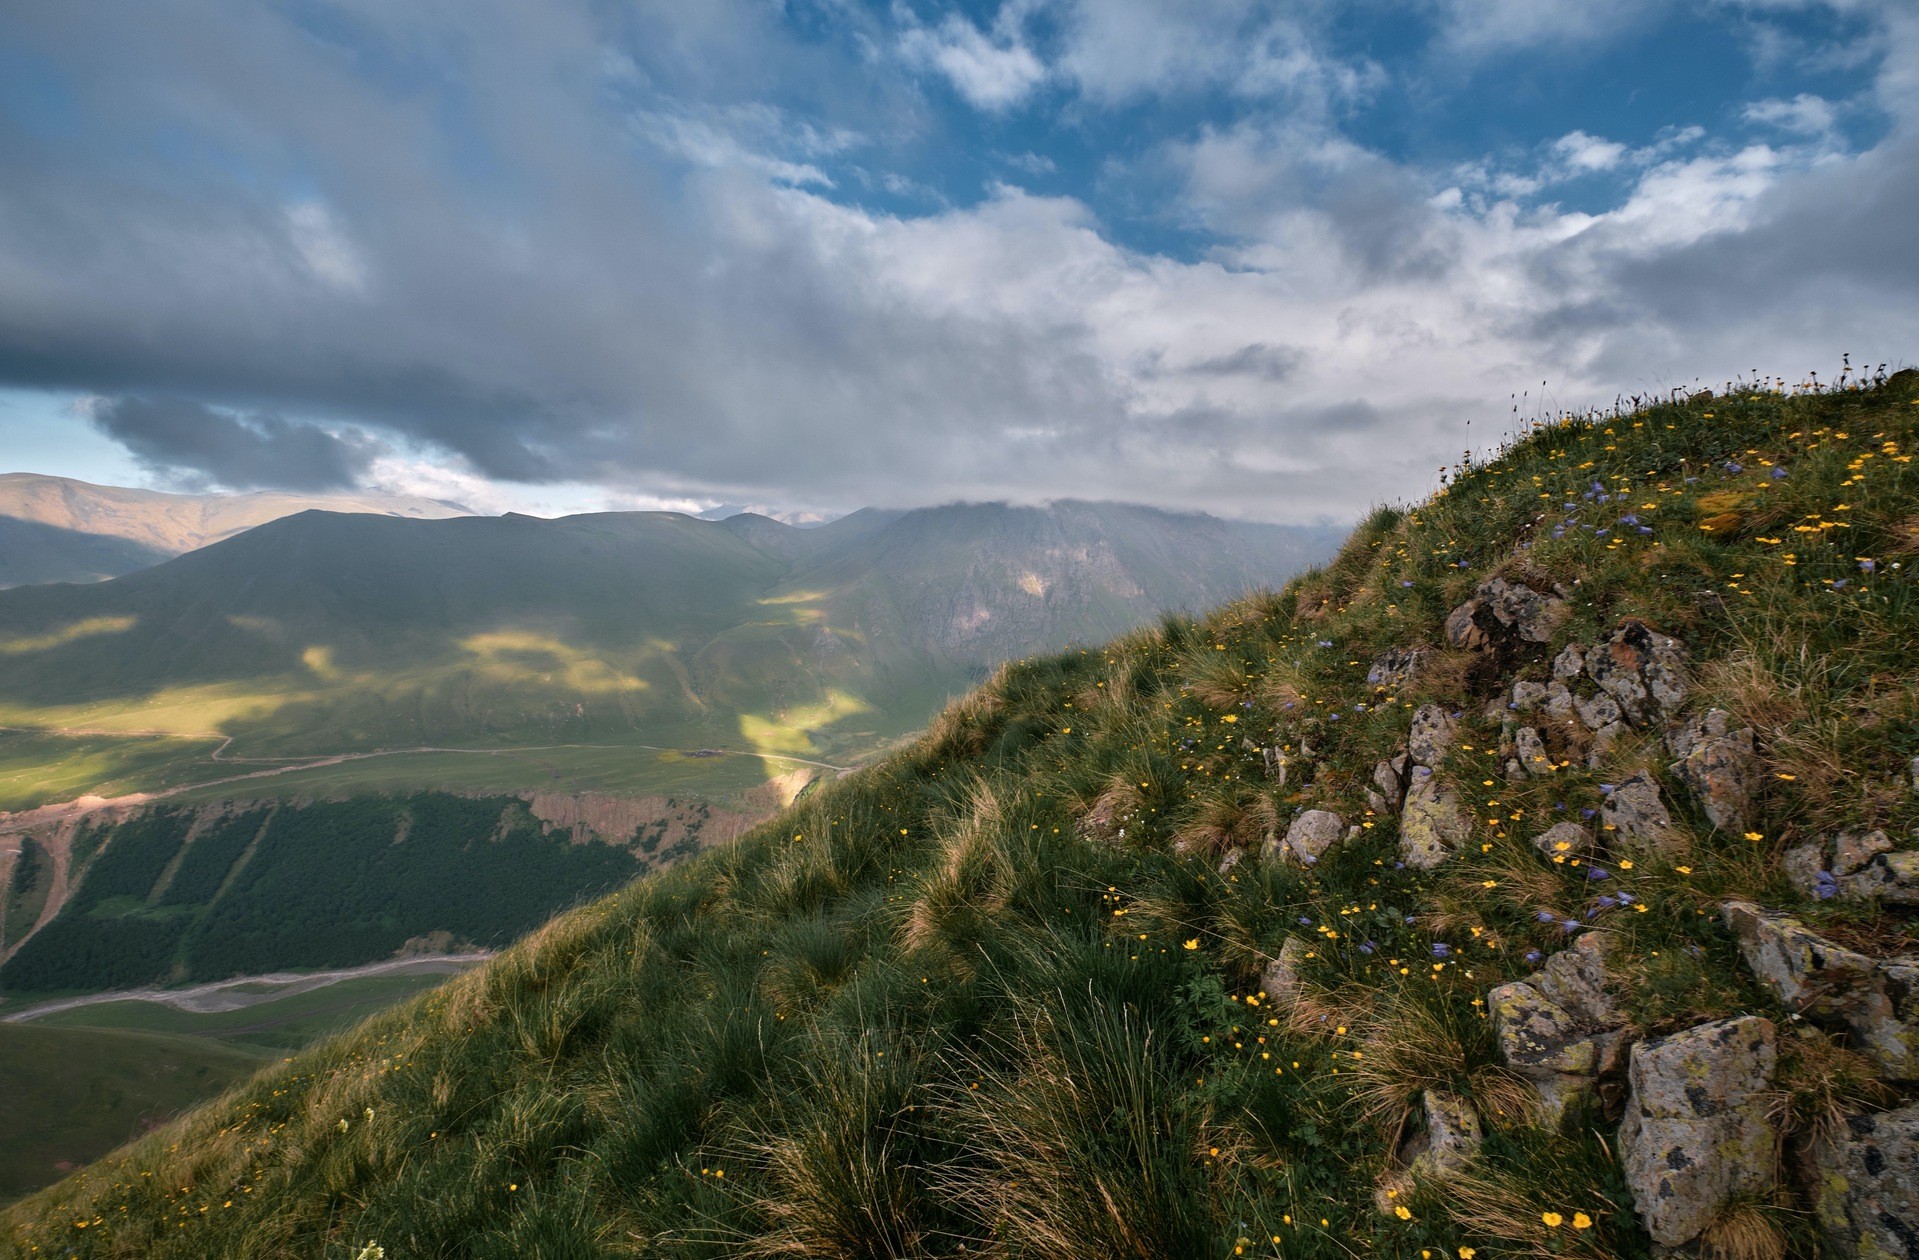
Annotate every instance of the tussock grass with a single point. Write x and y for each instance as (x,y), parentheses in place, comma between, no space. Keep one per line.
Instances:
(1001,993)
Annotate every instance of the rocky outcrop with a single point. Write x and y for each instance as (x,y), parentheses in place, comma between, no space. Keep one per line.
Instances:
(1450,1138)
(1697,1131)
(1394,668)
(1502,613)
(1892,879)
(1432,823)
(1859,866)
(1311,834)
(1532,756)
(1643,671)
(1280,980)
(1559,1027)
(1717,763)
(1431,737)
(1866,1186)
(1562,841)
(1634,810)
(1875,1000)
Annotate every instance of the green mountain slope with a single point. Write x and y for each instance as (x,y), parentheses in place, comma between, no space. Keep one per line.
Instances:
(1386,916)
(33,552)
(56,529)
(325,632)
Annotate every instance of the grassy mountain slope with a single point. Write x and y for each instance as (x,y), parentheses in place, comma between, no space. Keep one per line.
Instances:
(325,632)
(90,532)
(34,552)
(996,995)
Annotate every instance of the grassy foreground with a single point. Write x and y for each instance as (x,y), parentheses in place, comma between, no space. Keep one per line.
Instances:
(993,997)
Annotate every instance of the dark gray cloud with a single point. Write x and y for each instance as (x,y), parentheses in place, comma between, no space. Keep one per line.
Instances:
(567,242)
(193,444)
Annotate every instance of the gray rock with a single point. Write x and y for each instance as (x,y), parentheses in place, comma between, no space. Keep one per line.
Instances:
(1312,833)
(1635,811)
(1390,779)
(1597,711)
(1891,879)
(1431,822)
(1564,840)
(1558,1027)
(1528,695)
(1431,736)
(1394,668)
(1603,740)
(1502,612)
(1875,1000)
(1533,758)
(1530,615)
(1569,664)
(1718,765)
(1851,851)
(1451,1138)
(1641,669)
(1866,1191)
(1697,1133)
(1464,628)
(1231,860)
(1559,701)
(1804,863)
(1276,763)
(1280,980)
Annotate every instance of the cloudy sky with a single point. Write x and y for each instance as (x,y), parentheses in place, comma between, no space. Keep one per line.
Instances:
(1264,259)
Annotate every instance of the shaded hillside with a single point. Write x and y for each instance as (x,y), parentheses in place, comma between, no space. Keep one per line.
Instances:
(1537,879)
(323,632)
(34,552)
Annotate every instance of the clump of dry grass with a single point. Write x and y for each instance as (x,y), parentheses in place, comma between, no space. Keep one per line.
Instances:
(1747,1230)
(1410,1044)
(1231,816)
(1499,1205)
(1121,802)
(971,882)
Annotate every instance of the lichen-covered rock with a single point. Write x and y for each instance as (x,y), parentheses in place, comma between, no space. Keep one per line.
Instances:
(1431,822)
(1311,834)
(1564,840)
(1431,736)
(1697,1131)
(1804,864)
(1634,810)
(1280,980)
(1810,974)
(1875,1000)
(1569,664)
(1717,763)
(1597,711)
(1866,1189)
(1528,696)
(1559,1027)
(1533,758)
(1852,850)
(1502,611)
(1892,879)
(1394,668)
(1451,1138)
(1643,670)
(1559,701)
(1389,786)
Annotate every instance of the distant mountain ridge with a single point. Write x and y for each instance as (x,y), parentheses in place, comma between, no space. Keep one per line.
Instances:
(58,529)
(331,631)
